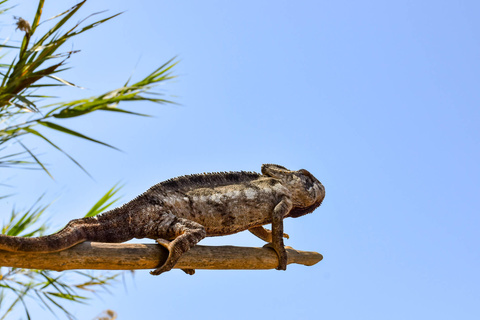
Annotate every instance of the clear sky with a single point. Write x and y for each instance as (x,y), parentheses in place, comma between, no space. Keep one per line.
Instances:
(378,99)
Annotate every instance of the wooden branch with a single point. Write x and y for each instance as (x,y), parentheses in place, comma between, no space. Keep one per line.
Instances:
(129,256)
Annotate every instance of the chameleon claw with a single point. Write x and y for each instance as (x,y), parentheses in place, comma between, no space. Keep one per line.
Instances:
(169,263)
(164,243)
(164,267)
(268,245)
(286,236)
(189,271)
(282,256)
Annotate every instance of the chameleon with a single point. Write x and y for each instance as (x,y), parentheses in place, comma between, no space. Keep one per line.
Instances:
(180,212)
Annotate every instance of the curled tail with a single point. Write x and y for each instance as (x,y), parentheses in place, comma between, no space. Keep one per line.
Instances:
(76,231)
(69,236)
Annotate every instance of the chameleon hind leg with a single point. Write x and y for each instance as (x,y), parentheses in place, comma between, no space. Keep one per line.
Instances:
(264,234)
(186,234)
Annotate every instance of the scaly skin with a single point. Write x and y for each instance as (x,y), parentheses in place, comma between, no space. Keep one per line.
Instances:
(180,212)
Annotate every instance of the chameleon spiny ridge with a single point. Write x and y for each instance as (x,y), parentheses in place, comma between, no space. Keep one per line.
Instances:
(180,212)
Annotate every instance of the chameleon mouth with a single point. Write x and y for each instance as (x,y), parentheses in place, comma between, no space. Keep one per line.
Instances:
(301,211)
(319,195)
(320,192)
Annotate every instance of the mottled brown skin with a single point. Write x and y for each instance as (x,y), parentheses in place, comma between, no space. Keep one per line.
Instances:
(180,212)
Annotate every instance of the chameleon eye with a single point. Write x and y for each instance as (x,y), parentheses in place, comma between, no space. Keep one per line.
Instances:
(306,173)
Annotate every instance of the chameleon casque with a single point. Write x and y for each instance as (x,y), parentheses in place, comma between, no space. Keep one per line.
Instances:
(180,212)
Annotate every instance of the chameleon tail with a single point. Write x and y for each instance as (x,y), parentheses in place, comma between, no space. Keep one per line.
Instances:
(76,231)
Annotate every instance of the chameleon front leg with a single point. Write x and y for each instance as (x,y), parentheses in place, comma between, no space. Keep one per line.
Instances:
(186,234)
(280,211)
(264,234)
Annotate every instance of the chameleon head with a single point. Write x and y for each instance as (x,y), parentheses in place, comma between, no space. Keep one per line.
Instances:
(307,192)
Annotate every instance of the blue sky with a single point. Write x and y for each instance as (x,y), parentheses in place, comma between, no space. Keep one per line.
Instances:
(378,99)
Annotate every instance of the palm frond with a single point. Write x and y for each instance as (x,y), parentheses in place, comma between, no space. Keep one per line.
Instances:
(26,69)
(38,64)
(26,223)
(104,202)
(49,288)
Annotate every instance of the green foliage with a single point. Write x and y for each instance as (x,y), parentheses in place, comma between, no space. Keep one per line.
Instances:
(47,287)
(104,202)
(23,112)
(39,61)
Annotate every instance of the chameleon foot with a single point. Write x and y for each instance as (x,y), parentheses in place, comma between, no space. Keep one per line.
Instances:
(168,265)
(186,234)
(189,271)
(281,254)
